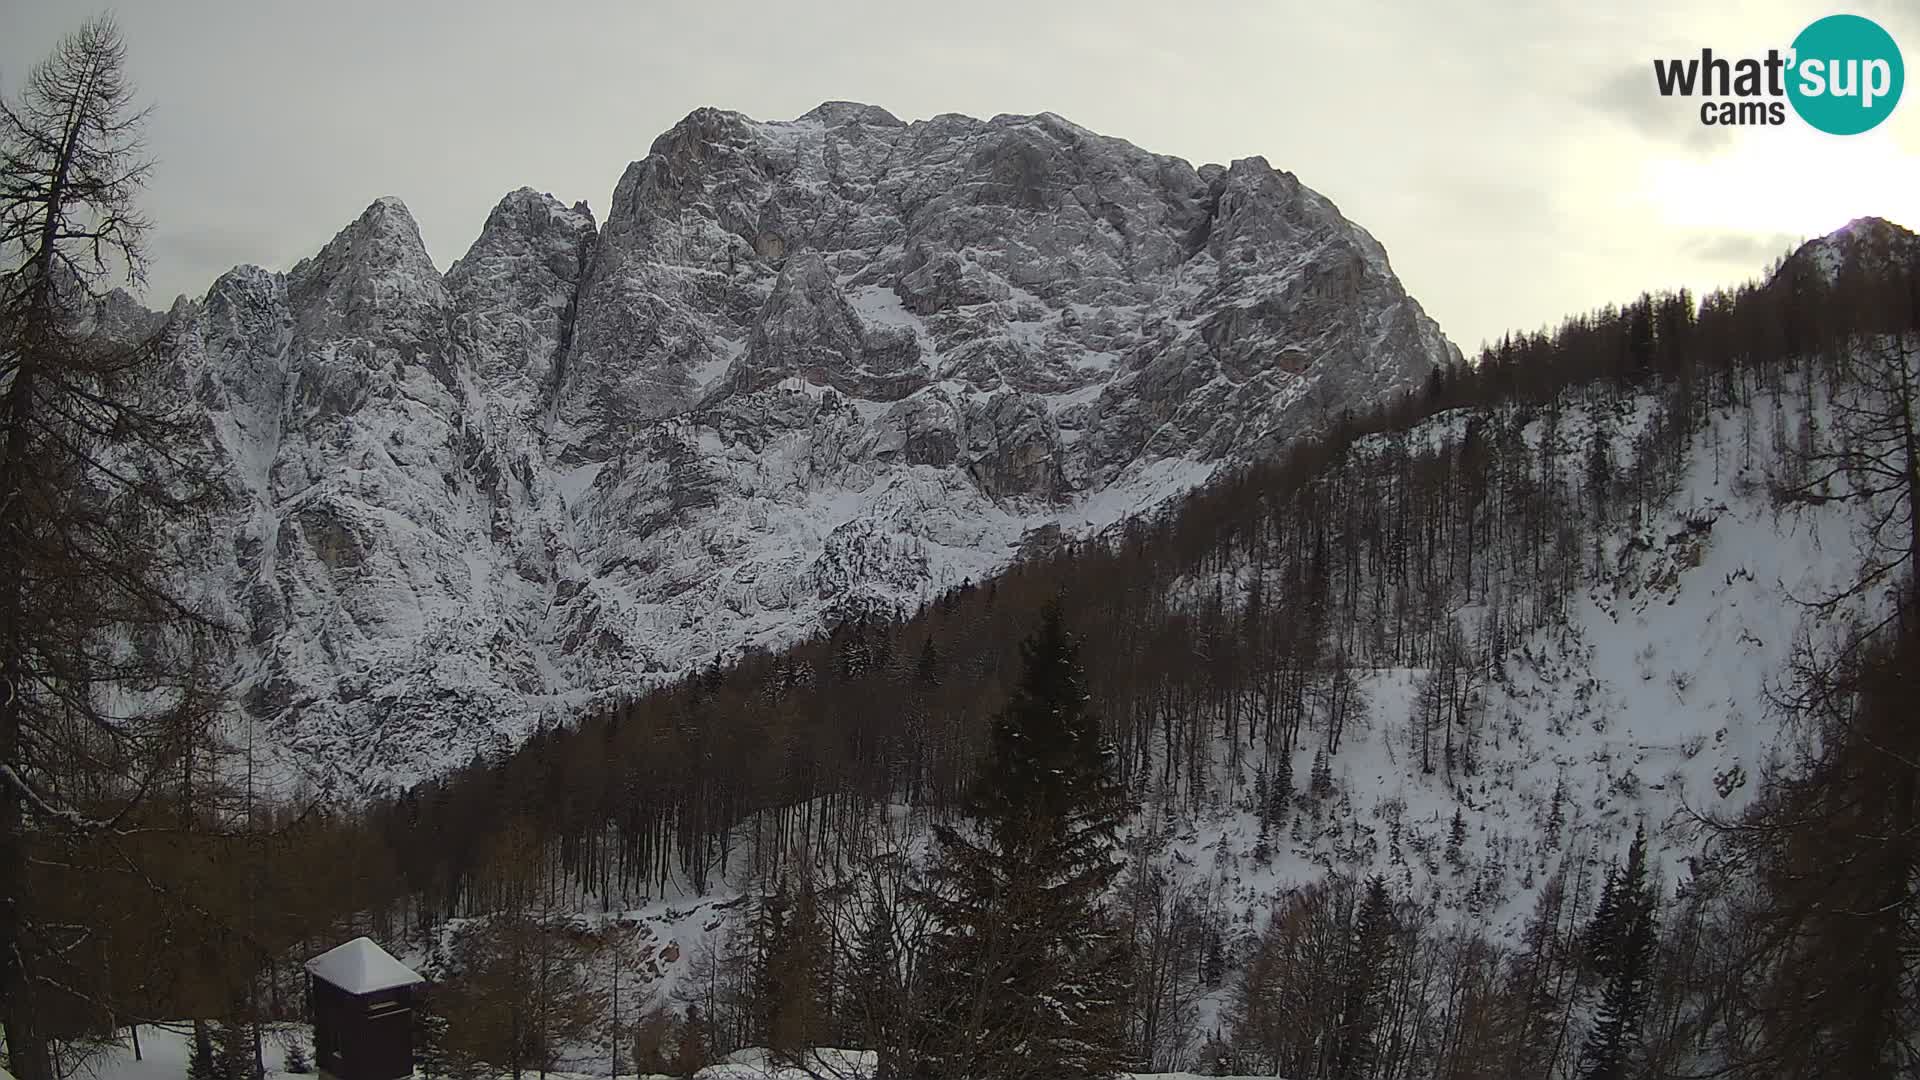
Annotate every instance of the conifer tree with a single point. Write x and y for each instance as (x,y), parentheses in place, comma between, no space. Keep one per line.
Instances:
(1621,943)
(1032,977)
(794,981)
(432,1054)
(1280,789)
(233,1053)
(690,1050)
(1599,482)
(1320,780)
(927,669)
(766,934)
(1363,976)
(872,987)
(202,1063)
(1600,932)
(1557,813)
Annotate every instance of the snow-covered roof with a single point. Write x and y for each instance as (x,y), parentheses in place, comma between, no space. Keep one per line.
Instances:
(361,967)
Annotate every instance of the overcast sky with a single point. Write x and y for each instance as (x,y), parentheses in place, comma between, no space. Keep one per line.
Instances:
(1515,161)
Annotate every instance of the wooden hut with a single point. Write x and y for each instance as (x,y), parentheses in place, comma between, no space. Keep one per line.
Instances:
(362,1012)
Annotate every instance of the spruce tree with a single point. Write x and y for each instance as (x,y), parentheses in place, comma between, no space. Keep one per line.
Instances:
(232,1051)
(1621,943)
(1320,781)
(1557,813)
(429,1040)
(766,936)
(1280,790)
(872,987)
(201,1061)
(1371,946)
(690,1050)
(1604,927)
(1032,978)
(796,973)
(1599,473)
(927,670)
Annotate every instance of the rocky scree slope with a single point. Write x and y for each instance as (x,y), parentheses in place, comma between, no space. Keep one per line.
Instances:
(805,370)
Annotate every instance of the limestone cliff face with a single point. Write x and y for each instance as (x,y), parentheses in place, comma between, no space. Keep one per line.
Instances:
(807,368)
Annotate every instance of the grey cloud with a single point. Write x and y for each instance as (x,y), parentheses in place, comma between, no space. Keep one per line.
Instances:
(1491,193)
(277,123)
(1753,251)
(1900,18)
(1632,97)
(193,256)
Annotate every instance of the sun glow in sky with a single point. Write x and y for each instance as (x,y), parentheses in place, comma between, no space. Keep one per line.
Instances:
(1790,180)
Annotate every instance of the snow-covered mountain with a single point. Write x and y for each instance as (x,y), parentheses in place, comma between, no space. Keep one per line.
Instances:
(806,368)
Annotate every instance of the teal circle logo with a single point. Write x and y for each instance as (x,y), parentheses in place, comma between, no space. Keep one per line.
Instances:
(1846,75)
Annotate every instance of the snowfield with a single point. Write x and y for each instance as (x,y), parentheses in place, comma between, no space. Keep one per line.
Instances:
(165,1048)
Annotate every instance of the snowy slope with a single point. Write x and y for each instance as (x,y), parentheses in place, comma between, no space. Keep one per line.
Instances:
(1649,704)
(1646,704)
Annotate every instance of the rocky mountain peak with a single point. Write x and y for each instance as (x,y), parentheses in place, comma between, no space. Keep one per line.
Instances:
(837,113)
(806,369)
(374,275)
(513,294)
(384,239)
(1870,245)
(526,215)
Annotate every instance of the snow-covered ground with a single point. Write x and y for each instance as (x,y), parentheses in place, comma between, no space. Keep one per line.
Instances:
(1648,705)
(164,1049)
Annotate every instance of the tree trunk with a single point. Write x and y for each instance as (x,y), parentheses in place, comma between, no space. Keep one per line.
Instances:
(26,1047)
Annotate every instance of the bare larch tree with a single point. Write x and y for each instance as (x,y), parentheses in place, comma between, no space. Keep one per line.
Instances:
(98,649)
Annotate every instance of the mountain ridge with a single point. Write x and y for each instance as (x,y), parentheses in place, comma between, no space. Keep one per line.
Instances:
(803,371)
